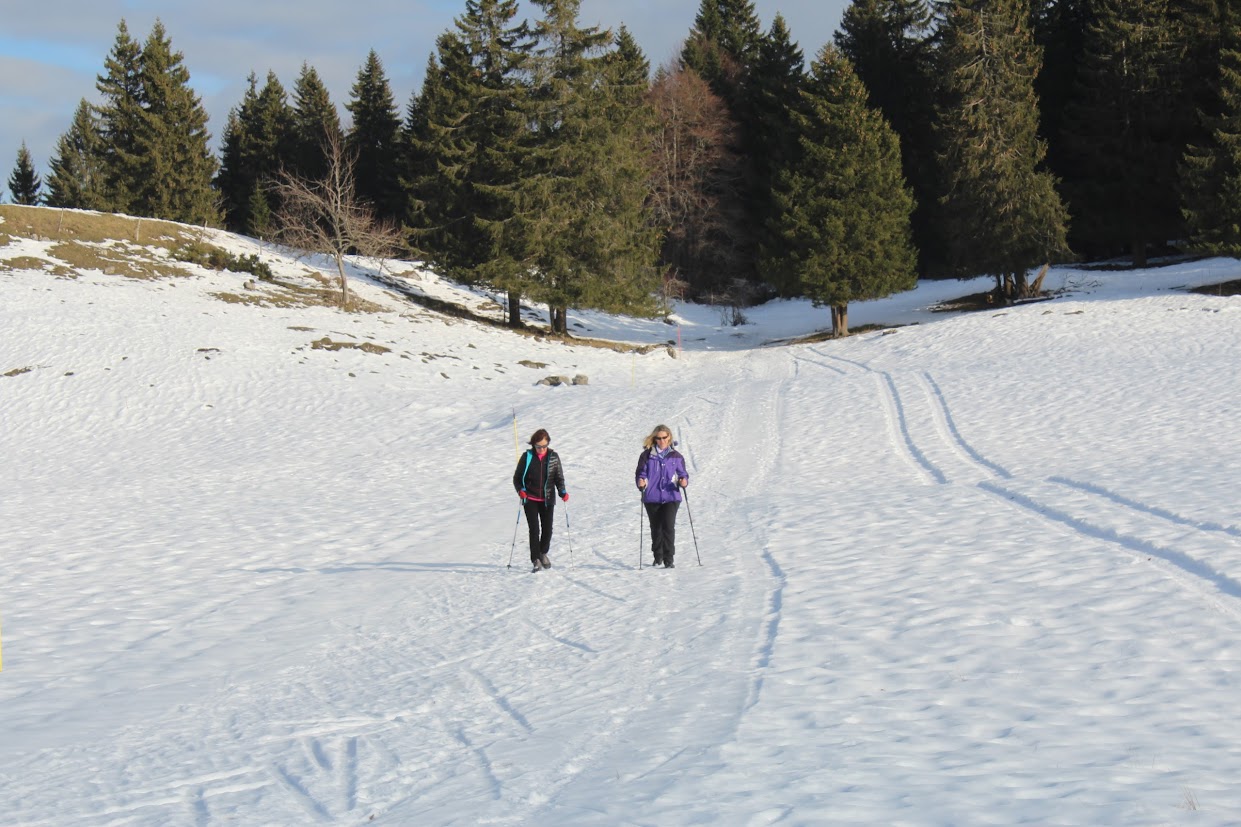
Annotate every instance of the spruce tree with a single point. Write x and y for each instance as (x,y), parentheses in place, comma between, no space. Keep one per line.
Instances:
(842,230)
(723,45)
(315,124)
(1211,173)
(889,44)
(257,145)
(374,139)
(775,97)
(174,163)
(1002,212)
(120,120)
(583,196)
(76,181)
(24,182)
(472,130)
(1123,132)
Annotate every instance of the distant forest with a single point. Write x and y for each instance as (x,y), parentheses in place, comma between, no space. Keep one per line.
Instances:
(553,163)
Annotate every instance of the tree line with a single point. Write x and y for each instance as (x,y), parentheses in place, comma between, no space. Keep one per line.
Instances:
(545,159)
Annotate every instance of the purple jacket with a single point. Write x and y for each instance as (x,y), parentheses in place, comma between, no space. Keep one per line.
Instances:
(661,475)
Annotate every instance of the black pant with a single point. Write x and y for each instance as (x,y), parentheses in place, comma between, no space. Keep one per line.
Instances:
(663,518)
(539,519)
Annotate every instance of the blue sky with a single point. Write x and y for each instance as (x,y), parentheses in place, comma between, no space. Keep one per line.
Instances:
(50,52)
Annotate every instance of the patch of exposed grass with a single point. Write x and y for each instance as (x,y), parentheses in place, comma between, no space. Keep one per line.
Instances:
(33,263)
(118,260)
(17,372)
(326,343)
(54,224)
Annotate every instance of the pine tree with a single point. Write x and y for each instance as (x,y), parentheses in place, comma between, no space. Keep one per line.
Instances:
(842,232)
(889,44)
(374,139)
(174,163)
(583,196)
(24,182)
(315,124)
(1123,132)
(1211,173)
(76,181)
(1002,213)
(120,120)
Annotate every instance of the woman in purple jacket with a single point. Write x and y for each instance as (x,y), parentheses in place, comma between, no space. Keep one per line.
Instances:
(660,477)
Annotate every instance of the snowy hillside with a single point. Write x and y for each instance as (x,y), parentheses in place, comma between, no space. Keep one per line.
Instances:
(984,569)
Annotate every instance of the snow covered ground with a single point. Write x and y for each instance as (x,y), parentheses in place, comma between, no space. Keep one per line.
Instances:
(980,570)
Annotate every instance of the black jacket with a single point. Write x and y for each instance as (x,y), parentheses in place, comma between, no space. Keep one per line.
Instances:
(541,478)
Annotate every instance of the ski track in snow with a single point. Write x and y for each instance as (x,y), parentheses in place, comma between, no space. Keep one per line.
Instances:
(1191,550)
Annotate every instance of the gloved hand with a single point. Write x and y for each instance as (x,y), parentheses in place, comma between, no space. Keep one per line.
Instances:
(565,496)
(521,494)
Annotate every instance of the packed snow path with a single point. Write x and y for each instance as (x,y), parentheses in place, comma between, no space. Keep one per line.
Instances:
(986,571)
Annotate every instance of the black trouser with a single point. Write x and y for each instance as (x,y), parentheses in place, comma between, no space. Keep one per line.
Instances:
(539,519)
(663,518)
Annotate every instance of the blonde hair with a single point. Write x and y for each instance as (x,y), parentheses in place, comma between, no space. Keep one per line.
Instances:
(649,442)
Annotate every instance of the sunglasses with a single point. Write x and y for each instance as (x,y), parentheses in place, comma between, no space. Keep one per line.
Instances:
(663,438)
(541,445)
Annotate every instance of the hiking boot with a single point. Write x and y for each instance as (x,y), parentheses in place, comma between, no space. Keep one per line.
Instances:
(547,564)
(668,564)
(658,562)
(537,567)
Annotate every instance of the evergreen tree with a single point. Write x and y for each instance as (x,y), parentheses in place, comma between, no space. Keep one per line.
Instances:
(24,182)
(583,198)
(77,177)
(472,131)
(1002,213)
(374,139)
(258,143)
(1060,28)
(842,232)
(889,44)
(120,121)
(315,124)
(1211,172)
(723,45)
(174,163)
(1123,130)
(775,96)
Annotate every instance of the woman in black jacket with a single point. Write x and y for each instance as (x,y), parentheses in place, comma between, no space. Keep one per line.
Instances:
(538,478)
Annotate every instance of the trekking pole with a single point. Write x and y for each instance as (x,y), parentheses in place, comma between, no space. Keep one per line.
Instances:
(569,529)
(641,530)
(514,546)
(690,512)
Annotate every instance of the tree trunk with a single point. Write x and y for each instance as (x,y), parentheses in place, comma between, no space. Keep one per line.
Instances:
(840,320)
(344,282)
(514,308)
(560,320)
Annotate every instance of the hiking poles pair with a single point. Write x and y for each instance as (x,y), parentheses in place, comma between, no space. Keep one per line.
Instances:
(568,528)
(641,526)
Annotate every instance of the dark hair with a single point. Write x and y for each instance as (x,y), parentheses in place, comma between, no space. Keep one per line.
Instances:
(540,435)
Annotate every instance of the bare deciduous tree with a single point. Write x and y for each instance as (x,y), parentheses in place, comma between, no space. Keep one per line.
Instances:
(326,216)
(696,178)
